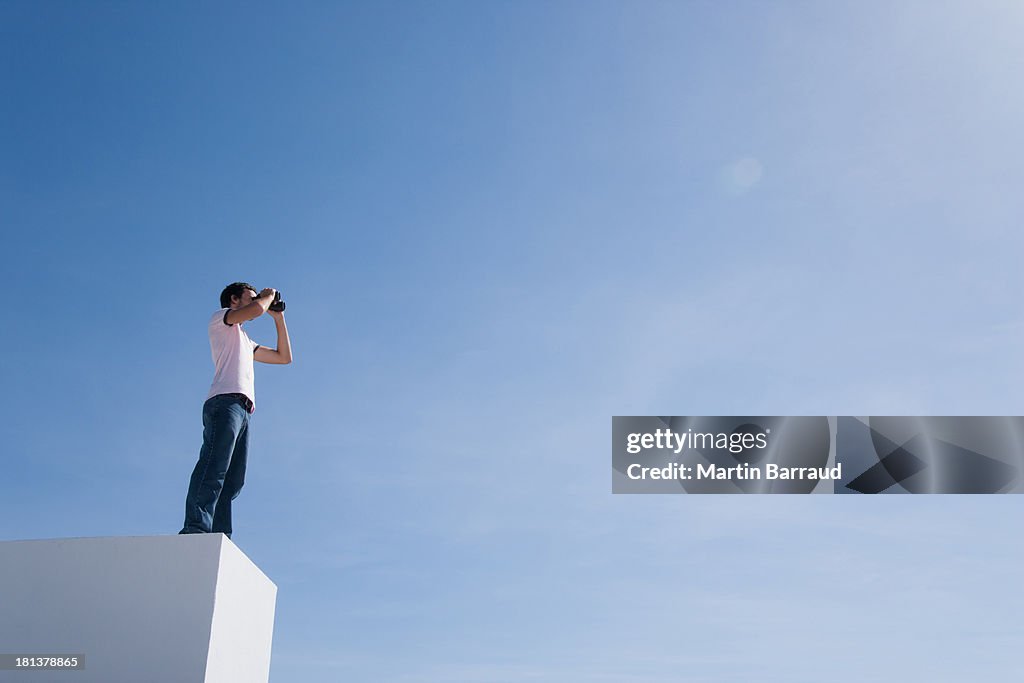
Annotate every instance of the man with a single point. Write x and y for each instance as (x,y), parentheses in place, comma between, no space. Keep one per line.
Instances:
(220,472)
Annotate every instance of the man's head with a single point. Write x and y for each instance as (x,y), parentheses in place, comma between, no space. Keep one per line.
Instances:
(237,294)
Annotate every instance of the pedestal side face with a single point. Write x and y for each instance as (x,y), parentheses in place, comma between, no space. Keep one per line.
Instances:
(243,621)
(138,608)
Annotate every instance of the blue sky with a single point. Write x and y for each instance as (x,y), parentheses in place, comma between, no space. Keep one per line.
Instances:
(496,225)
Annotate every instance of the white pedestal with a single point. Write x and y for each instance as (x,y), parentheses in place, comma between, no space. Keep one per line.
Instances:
(160,609)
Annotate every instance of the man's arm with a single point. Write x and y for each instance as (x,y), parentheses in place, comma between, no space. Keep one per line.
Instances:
(282,355)
(255,309)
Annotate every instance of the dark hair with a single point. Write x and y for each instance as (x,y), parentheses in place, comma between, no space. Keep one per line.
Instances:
(234,289)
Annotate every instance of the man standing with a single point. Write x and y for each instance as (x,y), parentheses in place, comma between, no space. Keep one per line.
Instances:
(220,472)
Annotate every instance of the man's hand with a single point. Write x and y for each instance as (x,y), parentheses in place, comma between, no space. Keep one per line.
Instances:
(253,309)
(279,315)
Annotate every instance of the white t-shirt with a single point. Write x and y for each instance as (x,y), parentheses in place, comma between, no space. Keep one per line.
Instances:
(232,358)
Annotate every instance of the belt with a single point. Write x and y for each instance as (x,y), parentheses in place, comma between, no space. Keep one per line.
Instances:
(245,400)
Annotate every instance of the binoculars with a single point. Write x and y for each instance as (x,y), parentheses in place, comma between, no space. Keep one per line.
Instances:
(278,303)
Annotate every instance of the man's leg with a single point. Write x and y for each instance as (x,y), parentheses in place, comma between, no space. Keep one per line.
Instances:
(223,419)
(233,482)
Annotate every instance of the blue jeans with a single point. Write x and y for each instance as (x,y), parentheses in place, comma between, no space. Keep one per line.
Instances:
(220,472)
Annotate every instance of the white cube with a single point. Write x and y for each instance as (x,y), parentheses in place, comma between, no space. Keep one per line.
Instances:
(174,609)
